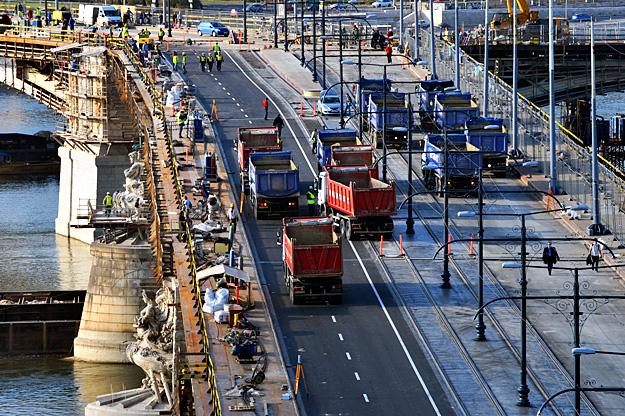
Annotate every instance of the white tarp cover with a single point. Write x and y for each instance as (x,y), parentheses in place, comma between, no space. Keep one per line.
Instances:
(221,269)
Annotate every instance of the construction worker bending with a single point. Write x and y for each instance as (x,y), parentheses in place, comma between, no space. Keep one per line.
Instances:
(182,118)
(310,200)
(232,216)
(108,204)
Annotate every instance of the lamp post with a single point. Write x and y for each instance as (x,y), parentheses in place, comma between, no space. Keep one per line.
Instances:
(245,21)
(286,28)
(457,45)
(409,221)
(302,38)
(342,120)
(486,30)
(446,275)
(314,39)
(323,45)
(416,31)
(432,41)
(275,24)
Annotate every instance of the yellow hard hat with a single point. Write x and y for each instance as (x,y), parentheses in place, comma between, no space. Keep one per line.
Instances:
(184,53)
(232,205)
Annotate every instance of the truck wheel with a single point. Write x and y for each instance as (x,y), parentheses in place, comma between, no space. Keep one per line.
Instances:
(348,231)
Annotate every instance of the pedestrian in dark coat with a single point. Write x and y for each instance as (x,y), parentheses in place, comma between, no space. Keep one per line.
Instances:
(550,256)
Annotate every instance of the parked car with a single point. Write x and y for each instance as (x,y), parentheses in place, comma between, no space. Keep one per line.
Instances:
(236,12)
(581,17)
(255,8)
(312,6)
(329,102)
(338,6)
(382,3)
(212,28)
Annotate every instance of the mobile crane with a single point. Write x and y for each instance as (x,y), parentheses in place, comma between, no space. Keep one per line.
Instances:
(528,22)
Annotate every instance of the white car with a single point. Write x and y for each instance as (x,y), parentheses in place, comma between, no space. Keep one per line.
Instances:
(329,103)
(382,3)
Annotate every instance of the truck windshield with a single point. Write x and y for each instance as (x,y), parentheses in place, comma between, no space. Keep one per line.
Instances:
(111,13)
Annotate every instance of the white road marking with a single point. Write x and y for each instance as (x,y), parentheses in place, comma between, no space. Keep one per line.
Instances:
(333,319)
(250,121)
(275,106)
(366,398)
(349,357)
(234,99)
(246,116)
(223,88)
(242,110)
(357,376)
(399,338)
(238,105)
(220,84)
(227,92)
(341,337)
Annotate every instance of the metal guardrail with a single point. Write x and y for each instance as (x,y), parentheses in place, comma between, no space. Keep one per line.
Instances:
(574,160)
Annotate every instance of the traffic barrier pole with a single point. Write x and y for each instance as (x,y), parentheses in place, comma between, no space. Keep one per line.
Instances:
(401,244)
(167,45)
(449,244)
(301,112)
(187,156)
(173,109)
(183,37)
(242,199)
(239,42)
(248,45)
(471,245)
(549,199)
(155,70)
(315,106)
(210,45)
(381,244)
(237,291)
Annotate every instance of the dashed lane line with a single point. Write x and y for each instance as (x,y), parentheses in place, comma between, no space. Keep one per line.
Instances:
(349,357)
(341,337)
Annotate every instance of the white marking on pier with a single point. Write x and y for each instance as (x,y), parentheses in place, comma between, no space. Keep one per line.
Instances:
(366,397)
(357,376)
(349,357)
(341,337)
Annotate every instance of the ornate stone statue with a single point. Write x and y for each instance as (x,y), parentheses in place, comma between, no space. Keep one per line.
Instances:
(155,334)
(131,199)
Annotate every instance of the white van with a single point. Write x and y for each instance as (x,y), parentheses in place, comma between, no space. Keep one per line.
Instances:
(90,14)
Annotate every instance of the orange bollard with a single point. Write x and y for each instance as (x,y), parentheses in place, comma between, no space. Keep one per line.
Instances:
(187,156)
(381,244)
(183,36)
(449,244)
(239,42)
(401,244)
(173,109)
(155,75)
(237,291)
(248,46)
(471,245)
(210,45)
(302,108)
(315,106)
(549,199)
(327,45)
(167,45)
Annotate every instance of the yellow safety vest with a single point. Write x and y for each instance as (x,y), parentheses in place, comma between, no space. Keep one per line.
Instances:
(219,57)
(175,59)
(184,59)
(310,198)
(108,201)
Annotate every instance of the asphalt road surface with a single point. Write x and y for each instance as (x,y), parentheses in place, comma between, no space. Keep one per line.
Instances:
(361,357)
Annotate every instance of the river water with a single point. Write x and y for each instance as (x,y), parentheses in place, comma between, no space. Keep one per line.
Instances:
(35,258)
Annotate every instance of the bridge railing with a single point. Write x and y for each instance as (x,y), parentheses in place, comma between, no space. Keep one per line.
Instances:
(159,111)
(574,160)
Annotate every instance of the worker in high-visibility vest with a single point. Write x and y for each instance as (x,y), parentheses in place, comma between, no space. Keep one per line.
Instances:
(184,62)
(125,32)
(210,61)
(182,118)
(310,200)
(108,203)
(161,34)
(203,62)
(175,61)
(219,58)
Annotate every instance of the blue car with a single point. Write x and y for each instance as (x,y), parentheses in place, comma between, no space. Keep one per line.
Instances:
(212,28)
(581,17)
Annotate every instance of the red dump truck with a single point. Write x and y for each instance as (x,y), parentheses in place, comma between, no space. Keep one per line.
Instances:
(255,139)
(358,203)
(313,260)
(355,156)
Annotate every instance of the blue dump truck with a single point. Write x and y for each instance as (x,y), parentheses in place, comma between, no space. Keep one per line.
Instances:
(427,93)
(274,185)
(366,87)
(488,135)
(463,165)
(397,114)
(453,109)
(327,138)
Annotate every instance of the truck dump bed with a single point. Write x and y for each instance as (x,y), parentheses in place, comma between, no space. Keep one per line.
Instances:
(256,139)
(311,248)
(462,162)
(396,112)
(454,109)
(354,192)
(273,174)
(428,90)
(328,138)
(355,156)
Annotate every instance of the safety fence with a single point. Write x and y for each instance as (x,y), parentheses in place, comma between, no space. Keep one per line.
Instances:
(574,165)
